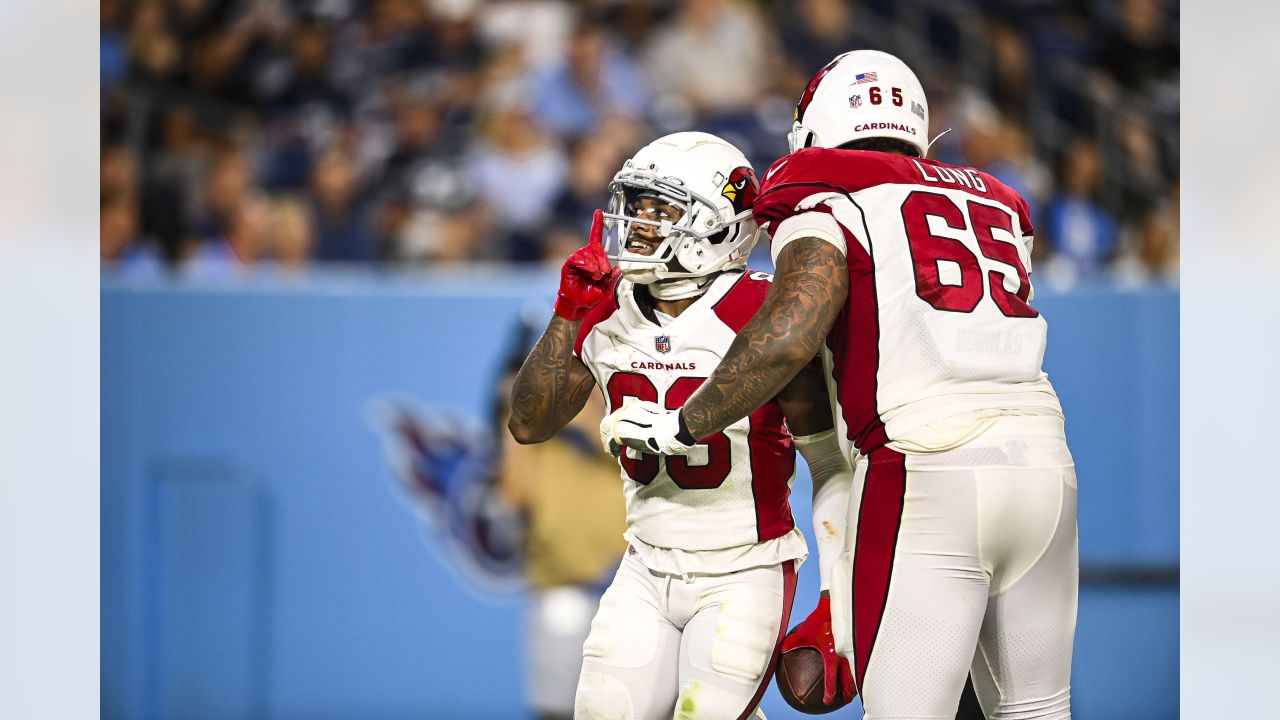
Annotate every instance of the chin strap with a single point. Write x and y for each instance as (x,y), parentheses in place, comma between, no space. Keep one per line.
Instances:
(681,288)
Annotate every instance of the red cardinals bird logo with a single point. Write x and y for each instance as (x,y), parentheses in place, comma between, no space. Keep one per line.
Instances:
(741,188)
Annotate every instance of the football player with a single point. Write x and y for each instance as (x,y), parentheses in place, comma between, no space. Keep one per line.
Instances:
(912,279)
(691,624)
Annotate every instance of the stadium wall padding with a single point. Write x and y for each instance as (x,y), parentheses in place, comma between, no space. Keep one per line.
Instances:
(257,562)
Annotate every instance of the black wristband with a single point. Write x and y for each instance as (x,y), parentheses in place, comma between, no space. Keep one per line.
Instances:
(683,435)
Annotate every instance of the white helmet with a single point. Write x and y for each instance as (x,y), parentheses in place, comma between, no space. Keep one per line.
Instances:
(710,181)
(862,94)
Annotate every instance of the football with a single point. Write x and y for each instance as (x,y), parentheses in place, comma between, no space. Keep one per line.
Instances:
(799,679)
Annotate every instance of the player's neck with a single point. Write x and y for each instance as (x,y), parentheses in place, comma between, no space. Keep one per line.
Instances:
(673,307)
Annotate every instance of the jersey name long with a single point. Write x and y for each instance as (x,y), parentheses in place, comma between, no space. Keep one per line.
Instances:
(937,337)
(724,506)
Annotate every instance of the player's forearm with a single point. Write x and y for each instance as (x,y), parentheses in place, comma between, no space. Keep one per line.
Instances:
(832,481)
(786,333)
(547,392)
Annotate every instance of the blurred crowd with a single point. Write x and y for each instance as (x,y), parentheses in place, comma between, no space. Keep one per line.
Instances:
(285,133)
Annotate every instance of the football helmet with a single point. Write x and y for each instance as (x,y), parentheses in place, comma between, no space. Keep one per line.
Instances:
(701,190)
(861,94)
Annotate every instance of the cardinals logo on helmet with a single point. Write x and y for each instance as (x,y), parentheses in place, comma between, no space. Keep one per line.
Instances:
(741,189)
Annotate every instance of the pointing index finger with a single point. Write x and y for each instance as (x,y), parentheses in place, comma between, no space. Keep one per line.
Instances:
(597,229)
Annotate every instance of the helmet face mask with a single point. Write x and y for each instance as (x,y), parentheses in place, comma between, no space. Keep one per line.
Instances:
(641,215)
(692,192)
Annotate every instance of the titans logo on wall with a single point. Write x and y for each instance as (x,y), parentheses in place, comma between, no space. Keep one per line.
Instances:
(445,470)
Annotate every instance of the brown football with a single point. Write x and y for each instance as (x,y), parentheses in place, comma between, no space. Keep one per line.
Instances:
(799,678)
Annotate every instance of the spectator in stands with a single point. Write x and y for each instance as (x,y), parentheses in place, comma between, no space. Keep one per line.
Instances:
(120,251)
(1012,70)
(118,168)
(455,118)
(221,64)
(119,239)
(1016,164)
(1139,52)
(241,241)
(996,145)
(1161,241)
(427,209)
(419,141)
(113,53)
(337,211)
(229,184)
(592,164)
(153,49)
(1081,230)
(292,234)
(1150,243)
(517,171)
(1139,167)
(594,80)
(715,57)
(634,21)
(536,31)
(811,33)
(308,85)
(417,233)
(393,38)
(173,181)
(1060,32)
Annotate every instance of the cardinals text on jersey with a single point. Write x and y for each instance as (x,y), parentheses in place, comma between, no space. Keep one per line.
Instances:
(732,490)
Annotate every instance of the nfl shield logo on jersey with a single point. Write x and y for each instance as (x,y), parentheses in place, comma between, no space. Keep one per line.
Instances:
(855,101)
(662,343)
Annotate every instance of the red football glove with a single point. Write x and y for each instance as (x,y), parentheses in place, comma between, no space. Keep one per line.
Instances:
(815,632)
(586,276)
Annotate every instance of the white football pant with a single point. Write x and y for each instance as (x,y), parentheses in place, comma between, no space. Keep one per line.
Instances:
(696,648)
(965,560)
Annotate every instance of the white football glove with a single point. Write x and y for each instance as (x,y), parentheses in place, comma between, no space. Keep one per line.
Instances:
(647,427)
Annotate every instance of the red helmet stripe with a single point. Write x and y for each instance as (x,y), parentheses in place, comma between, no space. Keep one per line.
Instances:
(812,88)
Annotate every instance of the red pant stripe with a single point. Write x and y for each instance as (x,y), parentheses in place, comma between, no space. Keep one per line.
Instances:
(879,518)
(788,596)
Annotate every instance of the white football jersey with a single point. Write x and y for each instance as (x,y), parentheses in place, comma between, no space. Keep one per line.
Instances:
(937,337)
(730,491)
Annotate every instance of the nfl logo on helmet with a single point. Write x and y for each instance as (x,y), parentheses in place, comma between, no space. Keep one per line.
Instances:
(662,343)
(855,101)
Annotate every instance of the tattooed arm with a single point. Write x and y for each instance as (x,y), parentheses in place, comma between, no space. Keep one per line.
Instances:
(808,292)
(552,385)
